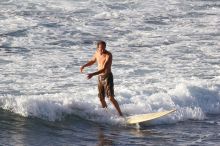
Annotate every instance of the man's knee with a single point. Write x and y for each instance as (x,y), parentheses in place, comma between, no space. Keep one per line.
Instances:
(101,98)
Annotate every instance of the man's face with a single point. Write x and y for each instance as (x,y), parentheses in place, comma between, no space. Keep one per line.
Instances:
(101,48)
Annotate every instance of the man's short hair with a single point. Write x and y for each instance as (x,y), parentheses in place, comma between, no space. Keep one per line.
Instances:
(101,43)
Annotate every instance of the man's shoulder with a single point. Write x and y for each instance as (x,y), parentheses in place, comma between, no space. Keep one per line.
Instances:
(109,53)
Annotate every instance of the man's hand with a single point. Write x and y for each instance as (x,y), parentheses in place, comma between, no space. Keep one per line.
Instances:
(81,69)
(89,76)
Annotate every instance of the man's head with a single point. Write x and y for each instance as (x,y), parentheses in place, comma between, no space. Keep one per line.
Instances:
(101,45)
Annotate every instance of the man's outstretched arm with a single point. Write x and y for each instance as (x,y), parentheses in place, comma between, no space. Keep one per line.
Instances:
(89,63)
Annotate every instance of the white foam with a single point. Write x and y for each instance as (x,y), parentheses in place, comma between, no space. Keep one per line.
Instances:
(86,105)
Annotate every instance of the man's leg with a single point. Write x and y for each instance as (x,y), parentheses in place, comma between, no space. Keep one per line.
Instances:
(115,103)
(110,92)
(102,100)
(102,94)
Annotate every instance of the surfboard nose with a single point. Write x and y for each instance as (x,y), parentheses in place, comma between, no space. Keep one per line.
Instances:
(147,117)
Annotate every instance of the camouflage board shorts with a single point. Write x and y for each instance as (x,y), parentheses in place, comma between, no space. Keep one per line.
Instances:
(106,85)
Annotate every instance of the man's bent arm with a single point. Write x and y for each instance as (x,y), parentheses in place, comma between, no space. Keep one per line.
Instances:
(98,72)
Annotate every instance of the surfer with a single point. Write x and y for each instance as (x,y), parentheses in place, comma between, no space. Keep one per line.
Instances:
(105,76)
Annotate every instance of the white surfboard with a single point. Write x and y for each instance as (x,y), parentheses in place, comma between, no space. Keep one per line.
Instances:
(146,117)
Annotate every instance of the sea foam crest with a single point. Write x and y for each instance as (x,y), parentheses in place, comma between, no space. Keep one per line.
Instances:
(190,102)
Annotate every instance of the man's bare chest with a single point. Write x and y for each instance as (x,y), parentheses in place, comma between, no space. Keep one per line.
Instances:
(101,59)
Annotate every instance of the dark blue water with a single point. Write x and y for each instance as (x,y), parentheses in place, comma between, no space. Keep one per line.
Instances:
(17,130)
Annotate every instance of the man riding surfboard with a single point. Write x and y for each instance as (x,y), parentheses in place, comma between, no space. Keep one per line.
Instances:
(105,76)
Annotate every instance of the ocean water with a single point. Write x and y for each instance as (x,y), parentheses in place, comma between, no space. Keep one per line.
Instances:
(166,55)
